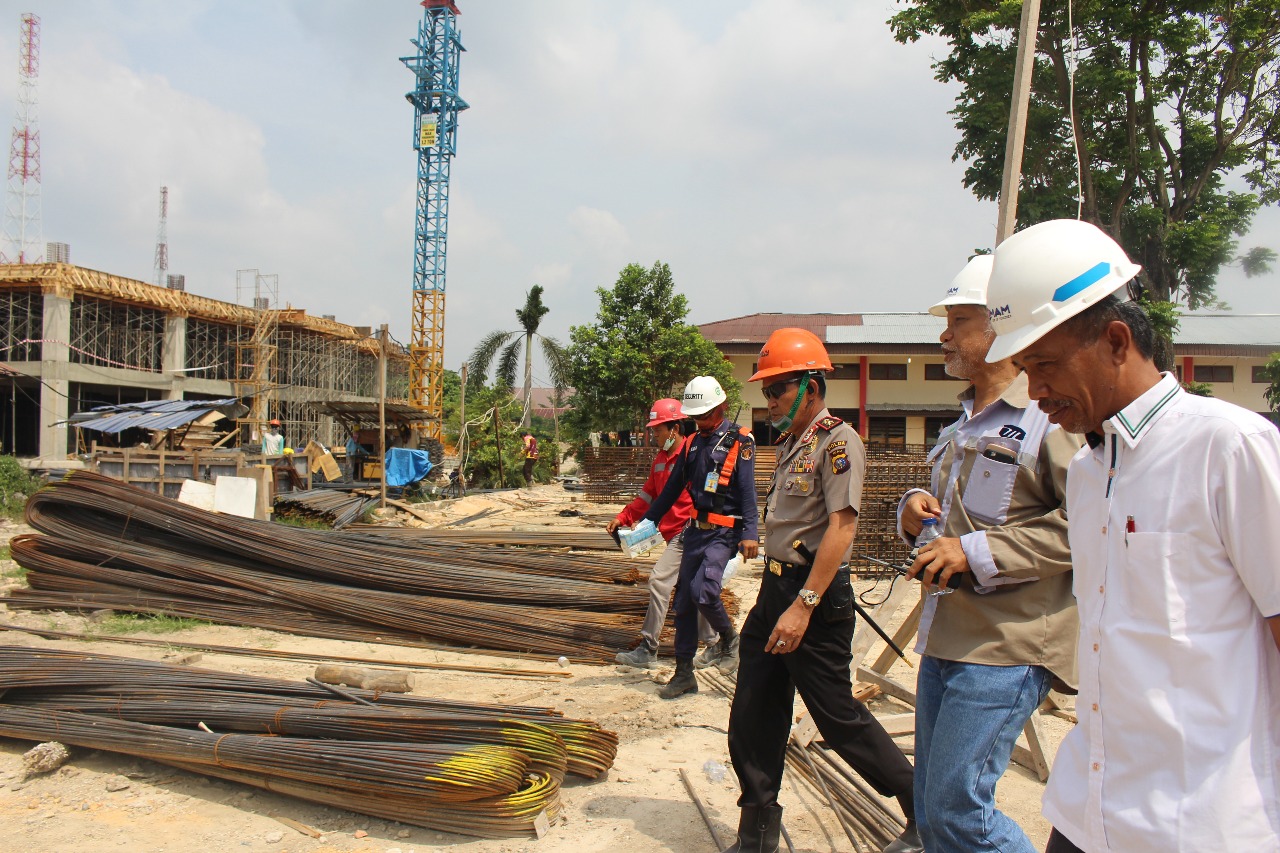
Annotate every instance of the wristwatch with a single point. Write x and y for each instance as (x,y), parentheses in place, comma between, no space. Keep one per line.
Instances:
(809,598)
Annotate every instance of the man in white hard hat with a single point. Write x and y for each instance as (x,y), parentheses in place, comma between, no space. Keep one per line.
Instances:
(991,650)
(717,469)
(664,419)
(1172,512)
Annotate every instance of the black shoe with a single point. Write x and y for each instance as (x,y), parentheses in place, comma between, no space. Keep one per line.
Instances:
(684,681)
(908,842)
(758,830)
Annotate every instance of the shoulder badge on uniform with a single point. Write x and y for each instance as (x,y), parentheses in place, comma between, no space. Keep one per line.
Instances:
(839,459)
(829,423)
(748,450)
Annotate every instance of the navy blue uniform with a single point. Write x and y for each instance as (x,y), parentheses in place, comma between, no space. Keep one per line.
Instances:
(708,546)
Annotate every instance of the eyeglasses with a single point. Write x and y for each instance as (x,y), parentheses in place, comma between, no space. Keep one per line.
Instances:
(777,389)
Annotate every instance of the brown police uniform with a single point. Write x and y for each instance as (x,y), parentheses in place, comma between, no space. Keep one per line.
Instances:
(819,472)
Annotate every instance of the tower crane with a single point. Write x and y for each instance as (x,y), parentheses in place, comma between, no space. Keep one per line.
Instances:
(435,121)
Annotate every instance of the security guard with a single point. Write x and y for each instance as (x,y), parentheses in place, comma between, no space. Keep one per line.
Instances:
(798,634)
(717,468)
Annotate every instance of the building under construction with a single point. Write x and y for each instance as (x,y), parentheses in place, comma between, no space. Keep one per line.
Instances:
(72,339)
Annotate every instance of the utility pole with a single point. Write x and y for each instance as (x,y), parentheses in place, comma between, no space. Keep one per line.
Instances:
(1018,108)
(382,413)
(462,435)
(497,439)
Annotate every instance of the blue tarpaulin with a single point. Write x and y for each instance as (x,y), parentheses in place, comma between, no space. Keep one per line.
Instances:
(405,467)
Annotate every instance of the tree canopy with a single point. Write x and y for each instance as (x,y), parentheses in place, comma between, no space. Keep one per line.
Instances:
(639,349)
(506,346)
(1169,103)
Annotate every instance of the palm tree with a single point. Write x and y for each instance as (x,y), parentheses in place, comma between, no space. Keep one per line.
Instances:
(506,347)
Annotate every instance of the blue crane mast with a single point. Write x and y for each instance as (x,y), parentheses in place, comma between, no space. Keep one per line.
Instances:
(435,129)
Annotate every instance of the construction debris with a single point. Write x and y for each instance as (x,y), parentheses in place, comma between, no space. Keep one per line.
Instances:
(379,680)
(483,770)
(44,758)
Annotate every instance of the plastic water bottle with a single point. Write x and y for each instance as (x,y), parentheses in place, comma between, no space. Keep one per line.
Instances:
(730,568)
(715,770)
(930,531)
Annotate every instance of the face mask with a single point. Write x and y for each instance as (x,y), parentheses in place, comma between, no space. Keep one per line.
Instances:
(669,443)
(783,423)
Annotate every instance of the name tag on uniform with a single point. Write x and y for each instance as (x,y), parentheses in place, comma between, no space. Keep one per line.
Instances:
(713,480)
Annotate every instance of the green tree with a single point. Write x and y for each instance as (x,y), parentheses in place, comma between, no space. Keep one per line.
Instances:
(1169,99)
(506,347)
(483,441)
(1271,372)
(638,350)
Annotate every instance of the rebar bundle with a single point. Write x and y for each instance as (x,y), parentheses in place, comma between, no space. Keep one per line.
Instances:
(332,506)
(109,545)
(485,770)
(862,814)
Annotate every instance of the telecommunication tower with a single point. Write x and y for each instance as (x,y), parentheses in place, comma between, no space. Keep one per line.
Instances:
(162,240)
(435,126)
(23,243)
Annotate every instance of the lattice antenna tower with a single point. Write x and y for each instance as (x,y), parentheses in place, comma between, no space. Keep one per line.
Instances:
(162,240)
(23,243)
(435,124)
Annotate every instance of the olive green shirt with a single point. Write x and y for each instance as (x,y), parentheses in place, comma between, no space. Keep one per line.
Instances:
(1016,607)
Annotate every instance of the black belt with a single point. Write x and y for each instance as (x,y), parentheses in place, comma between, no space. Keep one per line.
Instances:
(784,570)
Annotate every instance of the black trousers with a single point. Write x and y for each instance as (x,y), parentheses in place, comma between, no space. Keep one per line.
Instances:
(528,471)
(1059,843)
(760,721)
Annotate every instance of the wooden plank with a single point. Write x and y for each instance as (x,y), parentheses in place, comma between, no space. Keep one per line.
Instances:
(898,724)
(864,637)
(887,685)
(903,636)
(1035,741)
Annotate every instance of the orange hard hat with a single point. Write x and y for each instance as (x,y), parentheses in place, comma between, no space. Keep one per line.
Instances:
(664,411)
(275,422)
(791,351)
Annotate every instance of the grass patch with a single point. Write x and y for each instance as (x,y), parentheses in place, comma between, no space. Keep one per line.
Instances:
(5,553)
(303,522)
(16,485)
(144,623)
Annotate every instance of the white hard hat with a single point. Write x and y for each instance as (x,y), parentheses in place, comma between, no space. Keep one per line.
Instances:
(969,287)
(1046,275)
(701,395)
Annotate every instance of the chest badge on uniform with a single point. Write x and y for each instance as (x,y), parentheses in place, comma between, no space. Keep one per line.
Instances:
(1013,431)
(802,465)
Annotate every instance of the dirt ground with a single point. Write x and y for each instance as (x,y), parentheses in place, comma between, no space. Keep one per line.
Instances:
(103,801)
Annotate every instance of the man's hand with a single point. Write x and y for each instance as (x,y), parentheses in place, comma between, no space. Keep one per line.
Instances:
(790,629)
(749,548)
(938,561)
(916,509)
(611,526)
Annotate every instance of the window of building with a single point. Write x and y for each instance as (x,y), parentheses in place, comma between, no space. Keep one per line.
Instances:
(933,427)
(878,370)
(891,431)
(845,371)
(938,371)
(1260,374)
(1214,373)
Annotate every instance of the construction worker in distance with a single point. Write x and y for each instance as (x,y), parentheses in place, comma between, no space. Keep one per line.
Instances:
(529,446)
(664,420)
(272,440)
(717,470)
(798,634)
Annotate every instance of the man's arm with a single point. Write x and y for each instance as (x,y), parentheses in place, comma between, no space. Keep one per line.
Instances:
(745,475)
(842,525)
(671,491)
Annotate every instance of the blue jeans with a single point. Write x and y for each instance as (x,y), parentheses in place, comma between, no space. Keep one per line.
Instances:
(967,719)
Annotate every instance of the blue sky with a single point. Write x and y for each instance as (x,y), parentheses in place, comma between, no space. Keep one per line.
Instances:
(779,156)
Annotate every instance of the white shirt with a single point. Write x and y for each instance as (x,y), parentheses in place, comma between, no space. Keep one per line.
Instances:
(1174,525)
(272,445)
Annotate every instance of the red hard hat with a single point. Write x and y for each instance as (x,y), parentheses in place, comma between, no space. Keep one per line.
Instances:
(791,351)
(664,411)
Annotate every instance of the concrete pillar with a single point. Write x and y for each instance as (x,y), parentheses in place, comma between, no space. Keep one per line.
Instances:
(173,358)
(54,405)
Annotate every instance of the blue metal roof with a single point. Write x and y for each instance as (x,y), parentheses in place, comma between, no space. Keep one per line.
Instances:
(154,414)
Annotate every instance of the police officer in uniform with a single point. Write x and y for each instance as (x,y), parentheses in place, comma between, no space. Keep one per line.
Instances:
(798,634)
(717,468)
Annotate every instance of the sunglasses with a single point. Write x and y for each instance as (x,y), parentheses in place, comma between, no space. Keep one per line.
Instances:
(777,389)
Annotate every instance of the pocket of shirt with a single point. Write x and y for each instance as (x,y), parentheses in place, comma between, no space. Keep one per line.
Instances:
(1149,582)
(989,489)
